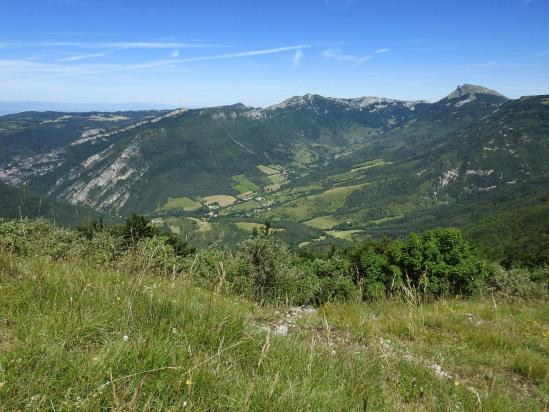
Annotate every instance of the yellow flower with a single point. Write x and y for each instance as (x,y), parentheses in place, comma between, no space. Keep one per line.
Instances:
(189,382)
(456,383)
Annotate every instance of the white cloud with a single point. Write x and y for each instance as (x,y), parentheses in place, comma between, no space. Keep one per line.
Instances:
(175,54)
(298,56)
(379,51)
(84,56)
(336,54)
(527,2)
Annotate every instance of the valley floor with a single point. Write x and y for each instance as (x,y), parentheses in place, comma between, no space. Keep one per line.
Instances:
(76,336)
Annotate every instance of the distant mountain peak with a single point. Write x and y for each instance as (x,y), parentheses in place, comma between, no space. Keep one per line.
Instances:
(238,106)
(468,90)
(352,103)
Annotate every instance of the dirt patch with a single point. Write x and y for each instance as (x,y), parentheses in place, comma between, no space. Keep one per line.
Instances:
(294,321)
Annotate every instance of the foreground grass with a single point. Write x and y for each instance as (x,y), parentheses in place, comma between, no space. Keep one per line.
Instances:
(74,336)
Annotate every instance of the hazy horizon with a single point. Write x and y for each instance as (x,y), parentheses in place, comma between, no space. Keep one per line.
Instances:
(11,107)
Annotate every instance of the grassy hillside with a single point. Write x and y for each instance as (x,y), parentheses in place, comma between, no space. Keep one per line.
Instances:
(78,336)
(124,318)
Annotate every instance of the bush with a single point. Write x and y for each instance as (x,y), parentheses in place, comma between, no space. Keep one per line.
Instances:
(519,283)
(104,247)
(137,227)
(151,255)
(337,288)
(381,275)
(326,279)
(437,263)
(441,263)
(91,228)
(204,267)
(268,264)
(35,238)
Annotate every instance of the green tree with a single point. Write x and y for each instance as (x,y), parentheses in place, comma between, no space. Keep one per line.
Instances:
(137,227)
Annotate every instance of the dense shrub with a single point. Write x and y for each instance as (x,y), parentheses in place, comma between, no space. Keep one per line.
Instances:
(205,268)
(151,255)
(104,247)
(437,263)
(91,228)
(520,283)
(336,288)
(441,263)
(137,227)
(268,264)
(36,238)
(326,279)
(379,275)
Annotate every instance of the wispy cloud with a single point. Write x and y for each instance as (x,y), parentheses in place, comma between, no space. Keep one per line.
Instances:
(25,67)
(84,56)
(111,47)
(337,54)
(298,56)
(243,54)
(379,51)
(525,2)
(117,45)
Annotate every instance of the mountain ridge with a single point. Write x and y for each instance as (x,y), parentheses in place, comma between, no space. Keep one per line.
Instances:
(332,166)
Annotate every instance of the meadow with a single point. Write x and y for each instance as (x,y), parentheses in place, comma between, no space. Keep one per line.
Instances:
(98,319)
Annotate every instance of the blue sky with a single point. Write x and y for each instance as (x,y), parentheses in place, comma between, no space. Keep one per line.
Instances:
(212,52)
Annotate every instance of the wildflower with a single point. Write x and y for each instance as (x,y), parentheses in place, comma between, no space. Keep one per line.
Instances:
(95,358)
(188,382)
(174,331)
(456,383)
(125,338)
(184,403)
